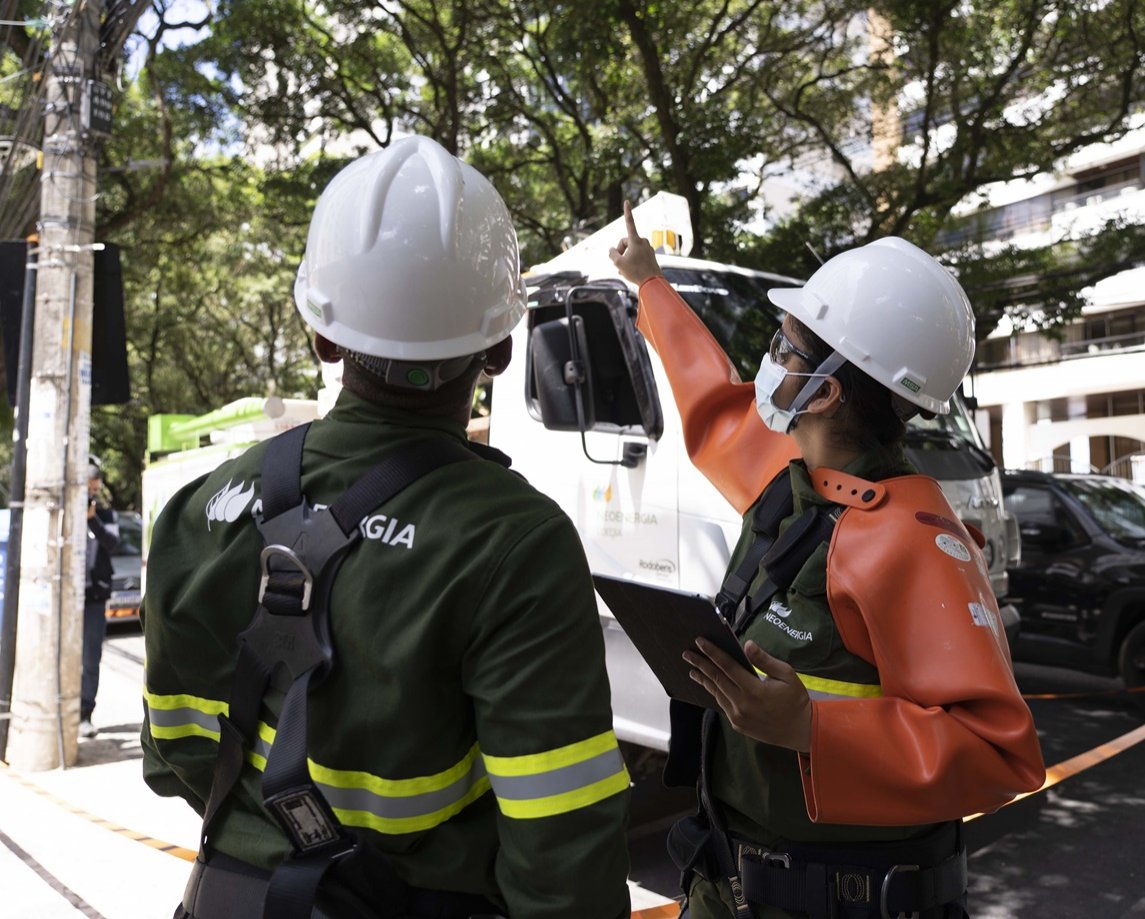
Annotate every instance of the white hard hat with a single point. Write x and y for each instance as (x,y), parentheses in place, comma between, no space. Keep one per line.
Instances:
(895,313)
(411,256)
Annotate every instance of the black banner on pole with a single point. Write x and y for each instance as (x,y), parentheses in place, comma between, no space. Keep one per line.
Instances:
(109,378)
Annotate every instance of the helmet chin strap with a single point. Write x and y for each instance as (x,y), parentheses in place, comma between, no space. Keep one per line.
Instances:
(832,363)
(424,376)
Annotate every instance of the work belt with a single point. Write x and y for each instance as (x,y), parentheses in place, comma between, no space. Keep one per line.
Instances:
(922,877)
(849,882)
(227,888)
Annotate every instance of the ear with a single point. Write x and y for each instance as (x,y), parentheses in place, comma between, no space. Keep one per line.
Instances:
(827,399)
(326,350)
(498,356)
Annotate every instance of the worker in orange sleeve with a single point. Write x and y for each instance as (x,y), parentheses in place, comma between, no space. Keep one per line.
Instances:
(833,780)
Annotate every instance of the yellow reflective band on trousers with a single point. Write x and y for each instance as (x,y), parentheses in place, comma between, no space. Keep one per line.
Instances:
(361,799)
(558,781)
(824,690)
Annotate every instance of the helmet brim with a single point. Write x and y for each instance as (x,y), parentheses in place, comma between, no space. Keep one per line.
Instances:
(794,300)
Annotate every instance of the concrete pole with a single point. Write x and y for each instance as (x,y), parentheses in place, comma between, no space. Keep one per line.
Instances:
(45,695)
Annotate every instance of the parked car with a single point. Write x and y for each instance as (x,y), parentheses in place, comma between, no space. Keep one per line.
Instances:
(123,605)
(1080,584)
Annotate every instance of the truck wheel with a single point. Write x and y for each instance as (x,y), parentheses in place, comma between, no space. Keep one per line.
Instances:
(1131,663)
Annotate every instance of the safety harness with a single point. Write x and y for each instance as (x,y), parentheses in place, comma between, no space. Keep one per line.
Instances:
(823,882)
(288,647)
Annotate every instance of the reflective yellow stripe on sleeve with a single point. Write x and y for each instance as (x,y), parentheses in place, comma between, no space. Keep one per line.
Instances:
(396,806)
(558,781)
(824,690)
(172,717)
(388,806)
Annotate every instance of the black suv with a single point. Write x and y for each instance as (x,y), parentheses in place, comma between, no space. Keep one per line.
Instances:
(1080,585)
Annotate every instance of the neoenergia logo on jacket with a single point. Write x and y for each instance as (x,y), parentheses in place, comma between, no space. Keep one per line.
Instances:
(229,502)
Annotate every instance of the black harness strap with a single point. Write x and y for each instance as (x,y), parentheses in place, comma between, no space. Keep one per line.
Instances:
(776,504)
(718,838)
(785,558)
(288,644)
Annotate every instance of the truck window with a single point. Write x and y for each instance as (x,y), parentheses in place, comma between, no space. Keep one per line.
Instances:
(1118,509)
(948,446)
(1039,509)
(735,309)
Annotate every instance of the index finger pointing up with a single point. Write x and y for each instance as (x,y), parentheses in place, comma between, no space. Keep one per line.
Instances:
(630,222)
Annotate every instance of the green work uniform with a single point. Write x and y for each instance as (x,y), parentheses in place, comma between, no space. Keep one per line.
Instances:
(757,785)
(466,726)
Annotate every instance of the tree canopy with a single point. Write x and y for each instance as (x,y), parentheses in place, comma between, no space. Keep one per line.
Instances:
(880,117)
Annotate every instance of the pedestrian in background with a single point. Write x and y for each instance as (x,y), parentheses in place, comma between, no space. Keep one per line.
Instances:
(883,709)
(102,538)
(461,757)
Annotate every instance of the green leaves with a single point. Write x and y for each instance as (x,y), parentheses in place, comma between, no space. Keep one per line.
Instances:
(881,117)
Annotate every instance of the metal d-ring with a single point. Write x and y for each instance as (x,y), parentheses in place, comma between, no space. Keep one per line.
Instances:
(308,579)
(885,889)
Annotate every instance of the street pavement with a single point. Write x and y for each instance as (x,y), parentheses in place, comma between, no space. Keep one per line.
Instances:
(1074,850)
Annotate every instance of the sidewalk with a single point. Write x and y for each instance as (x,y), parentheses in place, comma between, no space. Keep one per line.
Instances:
(94,840)
(90,840)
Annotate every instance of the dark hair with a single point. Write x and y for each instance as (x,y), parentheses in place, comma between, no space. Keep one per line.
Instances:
(867,417)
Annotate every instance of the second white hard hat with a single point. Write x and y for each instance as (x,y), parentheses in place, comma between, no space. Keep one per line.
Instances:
(895,313)
(411,256)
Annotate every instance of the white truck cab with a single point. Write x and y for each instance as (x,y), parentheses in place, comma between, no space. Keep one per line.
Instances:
(587,415)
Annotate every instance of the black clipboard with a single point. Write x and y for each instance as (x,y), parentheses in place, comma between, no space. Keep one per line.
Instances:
(663,624)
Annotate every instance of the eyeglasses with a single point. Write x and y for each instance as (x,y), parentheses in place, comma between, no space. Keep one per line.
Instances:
(781,346)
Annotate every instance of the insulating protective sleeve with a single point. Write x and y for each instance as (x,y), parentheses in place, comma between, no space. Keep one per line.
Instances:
(951,735)
(723,433)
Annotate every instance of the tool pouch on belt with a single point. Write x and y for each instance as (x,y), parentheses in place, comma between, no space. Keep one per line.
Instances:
(688,841)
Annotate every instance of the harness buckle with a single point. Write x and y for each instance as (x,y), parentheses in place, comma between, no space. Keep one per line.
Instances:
(307,578)
(884,913)
(767,856)
(309,823)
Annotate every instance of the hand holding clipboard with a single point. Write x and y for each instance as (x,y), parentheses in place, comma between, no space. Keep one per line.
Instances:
(697,659)
(663,624)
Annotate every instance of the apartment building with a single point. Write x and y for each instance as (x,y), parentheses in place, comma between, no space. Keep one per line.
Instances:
(1076,403)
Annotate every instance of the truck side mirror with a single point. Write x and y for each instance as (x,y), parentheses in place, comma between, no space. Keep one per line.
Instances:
(587,368)
(561,367)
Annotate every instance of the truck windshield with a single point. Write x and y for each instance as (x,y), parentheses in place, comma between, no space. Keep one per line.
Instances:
(735,309)
(948,446)
(957,424)
(1117,507)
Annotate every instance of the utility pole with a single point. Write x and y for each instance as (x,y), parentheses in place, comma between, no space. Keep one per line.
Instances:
(45,696)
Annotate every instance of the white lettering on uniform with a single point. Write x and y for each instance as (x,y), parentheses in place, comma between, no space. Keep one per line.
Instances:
(798,634)
(381,528)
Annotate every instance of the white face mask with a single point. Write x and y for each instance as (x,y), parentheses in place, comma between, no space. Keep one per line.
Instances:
(771,376)
(767,381)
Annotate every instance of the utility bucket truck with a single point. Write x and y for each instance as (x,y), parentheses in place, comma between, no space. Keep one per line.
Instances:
(180,448)
(587,415)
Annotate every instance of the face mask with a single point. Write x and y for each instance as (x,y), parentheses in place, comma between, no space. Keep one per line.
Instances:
(767,381)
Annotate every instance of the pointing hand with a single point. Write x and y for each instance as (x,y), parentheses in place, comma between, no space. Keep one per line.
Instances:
(633,255)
